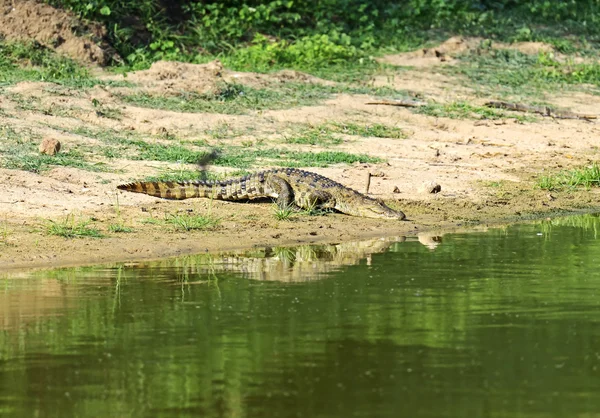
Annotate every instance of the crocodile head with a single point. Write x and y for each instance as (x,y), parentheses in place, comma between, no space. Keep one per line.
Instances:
(366,207)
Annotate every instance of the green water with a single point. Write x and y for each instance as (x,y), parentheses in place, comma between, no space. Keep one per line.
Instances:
(503,323)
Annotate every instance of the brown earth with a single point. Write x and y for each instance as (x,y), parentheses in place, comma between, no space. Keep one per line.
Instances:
(486,168)
(30,20)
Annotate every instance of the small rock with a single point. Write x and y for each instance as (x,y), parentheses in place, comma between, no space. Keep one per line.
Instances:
(396,190)
(430,187)
(160,131)
(49,146)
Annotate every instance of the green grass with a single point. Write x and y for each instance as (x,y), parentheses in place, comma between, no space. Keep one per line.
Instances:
(223,130)
(70,228)
(31,61)
(325,134)
(186,222)
(284,214)
(171,152)
(19,151)
(108,112)
(313,135)
(243,158)
(240,157)
(508,72)
(131,145)
(235,99)
(34,104)
(21,61)
(377,130)
(189,222)
(465,110)
(289,212)
(586,177)
(119,228)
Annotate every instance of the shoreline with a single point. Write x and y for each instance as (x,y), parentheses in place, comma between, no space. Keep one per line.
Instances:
(26,247)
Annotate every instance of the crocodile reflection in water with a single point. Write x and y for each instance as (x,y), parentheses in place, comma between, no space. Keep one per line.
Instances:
(287,264)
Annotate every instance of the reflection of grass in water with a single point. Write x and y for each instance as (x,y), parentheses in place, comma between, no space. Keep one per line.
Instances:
(287,254)
(589,222)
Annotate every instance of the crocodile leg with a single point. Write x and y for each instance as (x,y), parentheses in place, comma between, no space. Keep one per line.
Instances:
(285,193)
(316,199)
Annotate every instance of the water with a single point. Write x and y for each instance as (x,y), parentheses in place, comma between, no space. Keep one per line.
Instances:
(503,323)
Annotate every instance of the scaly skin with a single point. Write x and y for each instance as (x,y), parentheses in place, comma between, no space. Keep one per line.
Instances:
(289,186)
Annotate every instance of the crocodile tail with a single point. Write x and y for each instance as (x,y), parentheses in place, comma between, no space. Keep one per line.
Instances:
(167,189)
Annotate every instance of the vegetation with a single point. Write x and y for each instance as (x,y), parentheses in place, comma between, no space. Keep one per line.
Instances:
(335,39)
(327,134)
(50,67)
(235,99)
(305,34)
(283,214)
(18,150)
(189,222)
(241,158)
(119,227)
(466,110)
(584,177)
(72,228)
(506,71)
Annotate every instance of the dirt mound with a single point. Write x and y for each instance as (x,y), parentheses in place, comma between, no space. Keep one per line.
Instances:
(265,80)
(447,50)
(172,78)
(169,77)
(55,29)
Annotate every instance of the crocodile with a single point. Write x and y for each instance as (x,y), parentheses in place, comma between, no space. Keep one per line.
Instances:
(289,186)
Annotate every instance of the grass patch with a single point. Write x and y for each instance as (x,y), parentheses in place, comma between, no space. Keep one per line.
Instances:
(31,61)
(235,99)
(109,112)
(70,228)
(223,130)
(314,135)
(243,158)
(239,157)
(21,61)
(331,58)
(377,130)
(130,145)
(584,177)
(18,150)
(189,222)
(172,153)
(119,228)
(325,134)
(465,110)
(284,214)
(506,72)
